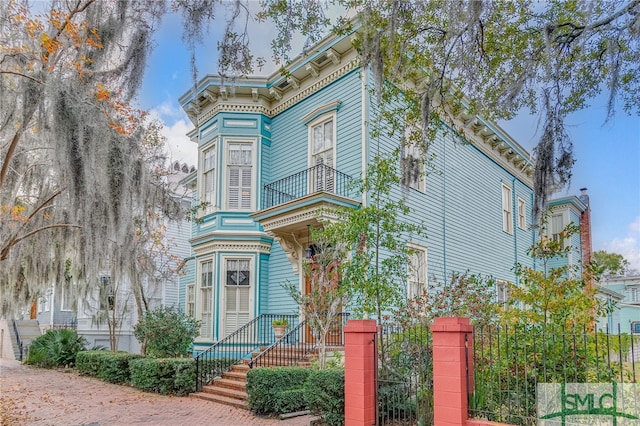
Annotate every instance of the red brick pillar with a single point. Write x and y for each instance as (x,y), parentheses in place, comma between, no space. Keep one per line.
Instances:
(359,372)
(450,376)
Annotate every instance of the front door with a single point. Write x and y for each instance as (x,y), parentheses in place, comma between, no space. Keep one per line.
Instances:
(334,335)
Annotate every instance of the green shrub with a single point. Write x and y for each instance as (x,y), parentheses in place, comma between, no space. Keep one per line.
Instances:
(56,348)
(109,366)
(166,332)
(324,395)
(163,375)
(115,367)
(267,389)
(88,362)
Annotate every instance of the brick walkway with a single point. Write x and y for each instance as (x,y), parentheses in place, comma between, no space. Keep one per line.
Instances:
(32,396)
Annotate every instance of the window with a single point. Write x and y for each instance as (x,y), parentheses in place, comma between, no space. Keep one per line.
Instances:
(417,271)
(67,301)
(522,214)
(411,163)
(240,173)
(206,299)
(208,176)
(322,158)
(191,302)
(556,226)
(635,327)
(507,210)
(502,292)
(237,293)
(107,294)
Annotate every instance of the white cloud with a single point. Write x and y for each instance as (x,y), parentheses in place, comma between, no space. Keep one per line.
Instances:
(629,246)
(179,146)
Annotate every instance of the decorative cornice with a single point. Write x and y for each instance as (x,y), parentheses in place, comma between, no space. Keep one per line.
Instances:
(234,246)
(289,249)
(257,108)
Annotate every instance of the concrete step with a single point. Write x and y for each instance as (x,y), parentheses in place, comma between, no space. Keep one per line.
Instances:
(239,376)
(238,403)
(238,385)
(225,392)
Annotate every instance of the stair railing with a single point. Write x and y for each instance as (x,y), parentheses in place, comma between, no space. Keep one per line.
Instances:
(294,346)
(237,347)
(18,340)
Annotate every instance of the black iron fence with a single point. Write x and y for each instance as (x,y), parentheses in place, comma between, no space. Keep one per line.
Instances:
(405,375)
(71,325)
(510,361)
(299,343)
(237,347)
(315,179)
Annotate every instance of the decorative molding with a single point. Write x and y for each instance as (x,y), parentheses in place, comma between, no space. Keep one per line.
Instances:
(289,249)
(322,109)
(294,82)
(254,94)
(275,93)
(232,246)
(297,217)
(312,69)
(314,87)
(334,56)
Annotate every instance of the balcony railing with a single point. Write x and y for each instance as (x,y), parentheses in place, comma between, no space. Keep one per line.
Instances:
(320,178)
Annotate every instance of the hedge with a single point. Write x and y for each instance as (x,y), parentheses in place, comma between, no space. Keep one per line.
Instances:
(109,366)
(176,376)
(276,390)
(324,395)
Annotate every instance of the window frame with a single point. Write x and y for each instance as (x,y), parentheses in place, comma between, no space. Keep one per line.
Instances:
(65,292)
(190,300)
(522,213)
(502,292)
(550,228)
(211,147)
(206,295)
(416,283)
(408,150)
(106,294)
(507,209)
(252,178)
(224,286)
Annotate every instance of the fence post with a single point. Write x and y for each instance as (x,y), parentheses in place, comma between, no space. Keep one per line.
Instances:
(359,372)
(451,378)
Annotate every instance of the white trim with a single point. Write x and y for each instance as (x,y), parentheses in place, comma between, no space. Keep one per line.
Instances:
(254,168)
(322,119)
(420,279)
(223,288)
(199,300)
(506,210)
(522,215)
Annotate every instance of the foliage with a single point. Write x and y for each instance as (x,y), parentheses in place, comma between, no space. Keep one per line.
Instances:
(280,322)
(492,58)
(324,395)
(610,263)
(465,295)
(405,372)
(56,348)
(166,332)
(559,293)
(375,236)
(109,366)
(271,390)
(175,376)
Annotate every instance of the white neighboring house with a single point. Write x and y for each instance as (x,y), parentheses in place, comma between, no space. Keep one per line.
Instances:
(59,308)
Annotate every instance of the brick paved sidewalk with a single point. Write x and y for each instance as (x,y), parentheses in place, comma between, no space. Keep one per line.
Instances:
(33,396)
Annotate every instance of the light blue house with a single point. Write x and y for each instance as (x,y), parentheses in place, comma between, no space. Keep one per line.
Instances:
(275,151)
(627,311)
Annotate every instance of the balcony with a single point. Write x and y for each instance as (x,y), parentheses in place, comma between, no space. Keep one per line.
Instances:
(305,199)
(320,178)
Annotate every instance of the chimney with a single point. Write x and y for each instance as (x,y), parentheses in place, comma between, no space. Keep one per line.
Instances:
(585,228)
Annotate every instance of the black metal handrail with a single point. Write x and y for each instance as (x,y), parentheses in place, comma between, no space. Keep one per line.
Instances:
(319,178)
(18,340)
(294,347)
(237,347)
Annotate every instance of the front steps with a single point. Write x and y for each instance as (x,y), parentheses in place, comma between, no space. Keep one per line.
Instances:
(230,388)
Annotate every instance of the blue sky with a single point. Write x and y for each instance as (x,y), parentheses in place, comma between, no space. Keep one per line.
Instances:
(607,154)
